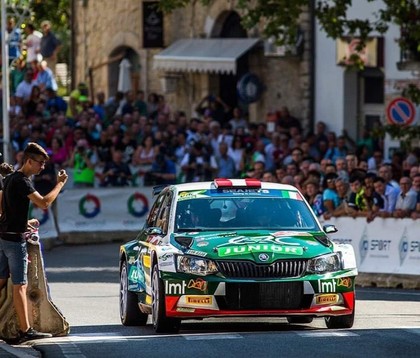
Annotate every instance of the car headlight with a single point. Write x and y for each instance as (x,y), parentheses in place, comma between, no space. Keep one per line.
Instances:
(195,265)
(325,263)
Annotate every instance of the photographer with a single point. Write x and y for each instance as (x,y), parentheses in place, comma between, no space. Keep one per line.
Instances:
(163,170)
(83,162)
(15,196)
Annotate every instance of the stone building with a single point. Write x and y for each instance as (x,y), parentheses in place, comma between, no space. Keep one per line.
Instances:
(106,32)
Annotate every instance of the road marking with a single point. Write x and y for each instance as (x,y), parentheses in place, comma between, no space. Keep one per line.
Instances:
(71,350)
(320,334)
(203,337)
(80,269)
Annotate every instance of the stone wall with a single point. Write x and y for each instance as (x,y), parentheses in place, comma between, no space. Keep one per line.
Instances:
(103,27)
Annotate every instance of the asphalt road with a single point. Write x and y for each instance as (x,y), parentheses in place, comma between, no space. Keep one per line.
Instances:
(84,284)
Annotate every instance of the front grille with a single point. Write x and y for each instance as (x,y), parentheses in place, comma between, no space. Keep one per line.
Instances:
(264,296)
(249,269)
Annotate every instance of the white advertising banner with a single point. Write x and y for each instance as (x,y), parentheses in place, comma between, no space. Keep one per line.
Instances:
(107,209)
(47,228)
(383,246)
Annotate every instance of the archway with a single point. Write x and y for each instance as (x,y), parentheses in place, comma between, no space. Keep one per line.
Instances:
(116,57)
(228,25)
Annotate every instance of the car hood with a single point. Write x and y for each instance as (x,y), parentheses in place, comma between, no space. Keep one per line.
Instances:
(258,245)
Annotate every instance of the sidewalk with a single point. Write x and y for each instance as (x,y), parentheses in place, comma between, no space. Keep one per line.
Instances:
(21,351)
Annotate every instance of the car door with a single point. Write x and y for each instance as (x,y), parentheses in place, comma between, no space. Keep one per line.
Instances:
(147,239)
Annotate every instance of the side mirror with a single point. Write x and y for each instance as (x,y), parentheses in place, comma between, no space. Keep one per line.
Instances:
(154,231)
(329,229)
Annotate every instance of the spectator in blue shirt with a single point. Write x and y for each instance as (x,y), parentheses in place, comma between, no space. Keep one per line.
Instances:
(45,78)
(55,103)
(14,39)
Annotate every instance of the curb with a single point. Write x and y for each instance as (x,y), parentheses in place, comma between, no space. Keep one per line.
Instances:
(21,351)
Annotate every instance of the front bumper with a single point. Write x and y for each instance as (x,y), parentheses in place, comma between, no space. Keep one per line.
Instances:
(197,297)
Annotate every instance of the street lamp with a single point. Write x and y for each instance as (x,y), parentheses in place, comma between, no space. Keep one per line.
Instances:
(20,11)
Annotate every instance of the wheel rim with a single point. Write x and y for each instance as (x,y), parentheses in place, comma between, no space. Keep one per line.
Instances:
(123,292)
(155,297)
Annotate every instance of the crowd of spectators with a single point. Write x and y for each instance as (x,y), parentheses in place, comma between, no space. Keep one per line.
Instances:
(132,139)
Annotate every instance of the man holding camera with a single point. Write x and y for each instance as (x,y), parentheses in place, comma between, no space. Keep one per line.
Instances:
(15,196)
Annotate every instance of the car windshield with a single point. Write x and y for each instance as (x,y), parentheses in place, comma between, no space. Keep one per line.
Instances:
(253,213)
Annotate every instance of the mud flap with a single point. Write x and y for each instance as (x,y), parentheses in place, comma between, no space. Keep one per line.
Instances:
(44,316)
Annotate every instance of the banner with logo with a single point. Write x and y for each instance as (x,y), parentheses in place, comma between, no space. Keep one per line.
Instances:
(47,228)
(107,209)
(383,246)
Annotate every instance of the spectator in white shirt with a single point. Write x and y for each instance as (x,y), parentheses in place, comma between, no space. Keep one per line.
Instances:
(32,42)
(406,200)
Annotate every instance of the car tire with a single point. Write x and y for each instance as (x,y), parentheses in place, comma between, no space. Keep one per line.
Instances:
(161,323)
(130,313)
(300,319)
(336,322)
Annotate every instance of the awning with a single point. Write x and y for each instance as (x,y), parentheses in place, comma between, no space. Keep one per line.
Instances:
(203,55)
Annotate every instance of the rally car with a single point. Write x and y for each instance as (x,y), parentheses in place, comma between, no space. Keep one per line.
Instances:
(236,247)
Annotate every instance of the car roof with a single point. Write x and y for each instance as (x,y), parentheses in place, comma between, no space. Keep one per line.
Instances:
(236,184)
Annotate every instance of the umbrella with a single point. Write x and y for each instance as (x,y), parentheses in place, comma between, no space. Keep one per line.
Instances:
(124,76)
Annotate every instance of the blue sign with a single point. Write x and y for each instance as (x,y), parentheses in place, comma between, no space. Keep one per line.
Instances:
(401,111)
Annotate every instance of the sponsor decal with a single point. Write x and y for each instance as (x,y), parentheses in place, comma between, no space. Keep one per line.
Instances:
(199,300)
(326,286)
(246,249)
(146,261)
(403,246)
(191,194)
(89,206)
(166,256)
(197,253)
(243,191)
(131,260)
(175,287)
(202,243)
(133,275)
(198,284)
(363,246)
(342,241)
(137,205)
(185,309)
(165,264)
(345,282)
(326,299)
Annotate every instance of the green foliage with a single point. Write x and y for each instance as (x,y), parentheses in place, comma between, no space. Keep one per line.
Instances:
(412,92)
(405,134)
(58,13)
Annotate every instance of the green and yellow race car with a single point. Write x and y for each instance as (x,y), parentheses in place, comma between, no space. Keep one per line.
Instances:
(235,247)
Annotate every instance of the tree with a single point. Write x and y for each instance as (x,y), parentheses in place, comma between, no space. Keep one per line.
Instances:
(58,13)
(281,18)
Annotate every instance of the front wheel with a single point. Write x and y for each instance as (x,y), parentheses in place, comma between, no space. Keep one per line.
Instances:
(336,322)
(161,323)
(130,313)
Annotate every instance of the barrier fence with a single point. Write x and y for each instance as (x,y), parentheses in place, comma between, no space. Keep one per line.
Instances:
(384,246)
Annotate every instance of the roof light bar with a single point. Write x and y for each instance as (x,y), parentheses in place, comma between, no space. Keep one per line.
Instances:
(249,183)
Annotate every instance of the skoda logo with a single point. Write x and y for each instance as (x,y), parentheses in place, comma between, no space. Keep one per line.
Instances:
(263,257)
